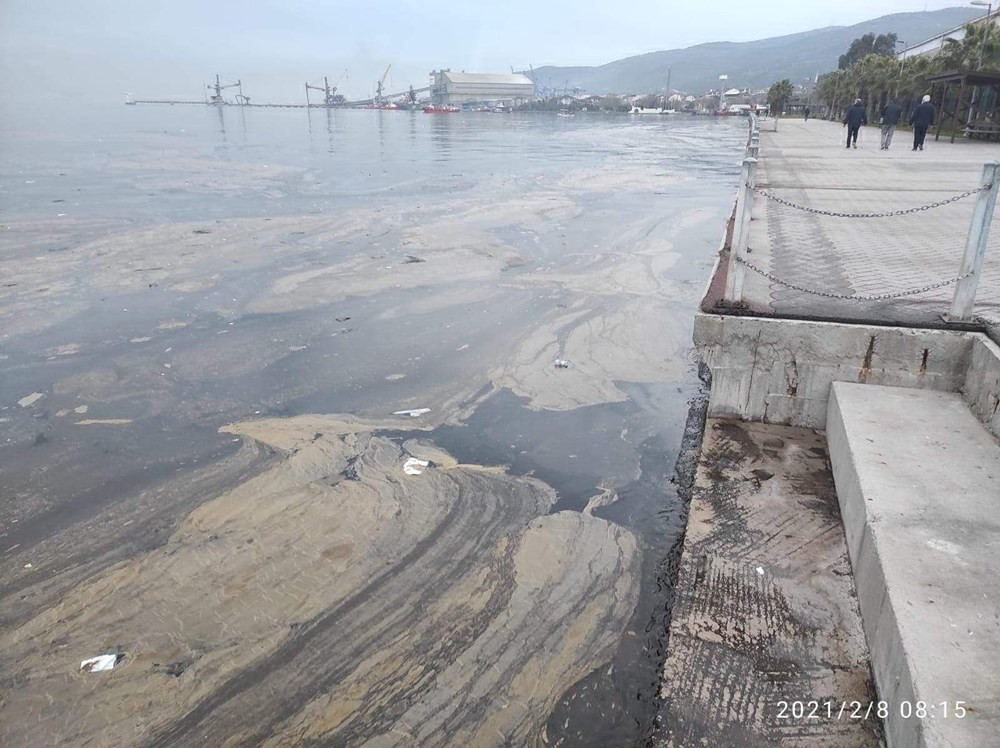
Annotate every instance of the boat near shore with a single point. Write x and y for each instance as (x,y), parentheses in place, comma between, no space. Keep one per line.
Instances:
(441,109)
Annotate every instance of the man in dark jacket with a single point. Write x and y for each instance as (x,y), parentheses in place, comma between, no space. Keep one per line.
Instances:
(855,117)
(921,119)
(890,118)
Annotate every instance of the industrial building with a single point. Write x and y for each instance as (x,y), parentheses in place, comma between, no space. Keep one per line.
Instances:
(455,89)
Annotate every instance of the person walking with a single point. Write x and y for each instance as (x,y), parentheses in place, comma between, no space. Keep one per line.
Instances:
(921,119)
(890,118)
(855,117)
(807,112)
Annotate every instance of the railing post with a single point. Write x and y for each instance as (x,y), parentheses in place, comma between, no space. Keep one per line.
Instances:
(755,146)
(975,244)
(741,232)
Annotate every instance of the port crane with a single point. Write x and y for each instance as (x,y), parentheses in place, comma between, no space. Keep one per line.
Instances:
(217,99)
(380,86)
(330,97)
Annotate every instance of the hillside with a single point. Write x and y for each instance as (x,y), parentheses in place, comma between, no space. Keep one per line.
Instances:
(759,63)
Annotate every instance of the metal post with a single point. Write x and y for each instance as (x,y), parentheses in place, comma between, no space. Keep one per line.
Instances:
(975,244)
(958,108)
(741,232)
(986,33)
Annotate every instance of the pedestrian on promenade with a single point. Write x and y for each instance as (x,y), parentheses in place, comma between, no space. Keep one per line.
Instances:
(921,119)
(890,118)
(806,112)
(856,116)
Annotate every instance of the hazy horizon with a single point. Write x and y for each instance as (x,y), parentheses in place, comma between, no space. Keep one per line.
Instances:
(52,49)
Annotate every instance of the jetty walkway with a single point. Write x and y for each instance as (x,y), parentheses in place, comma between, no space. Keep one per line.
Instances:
(856,260)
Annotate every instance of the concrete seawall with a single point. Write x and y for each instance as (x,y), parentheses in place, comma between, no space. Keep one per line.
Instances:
(781,371)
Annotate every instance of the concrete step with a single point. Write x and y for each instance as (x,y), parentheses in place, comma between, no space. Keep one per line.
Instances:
(918,481)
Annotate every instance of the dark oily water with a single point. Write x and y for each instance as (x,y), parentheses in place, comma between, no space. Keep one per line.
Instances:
(230,339)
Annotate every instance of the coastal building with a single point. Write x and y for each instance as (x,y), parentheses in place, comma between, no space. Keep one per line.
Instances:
(936,43)
(448,88)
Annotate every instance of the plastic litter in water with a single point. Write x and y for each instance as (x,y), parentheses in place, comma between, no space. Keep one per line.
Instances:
(413,466)
(562,363)
(412,413)
(760,571)
(99,664)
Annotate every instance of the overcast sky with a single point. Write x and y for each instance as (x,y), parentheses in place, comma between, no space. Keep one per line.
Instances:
(101,48)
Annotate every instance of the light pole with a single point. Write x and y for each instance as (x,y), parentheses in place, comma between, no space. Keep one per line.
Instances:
(986,26)
(902,64)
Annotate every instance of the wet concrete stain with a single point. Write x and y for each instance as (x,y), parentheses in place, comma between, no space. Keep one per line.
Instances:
(766,610)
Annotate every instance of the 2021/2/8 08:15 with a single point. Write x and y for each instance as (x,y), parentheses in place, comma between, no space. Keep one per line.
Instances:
(859,710)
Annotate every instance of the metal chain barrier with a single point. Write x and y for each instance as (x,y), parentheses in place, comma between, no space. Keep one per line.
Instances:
(835,214)
(852,297)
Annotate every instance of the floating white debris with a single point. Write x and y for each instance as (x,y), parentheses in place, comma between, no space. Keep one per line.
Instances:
(413,466)
(34,397)
(760,570)
(99,664)
(412,413)
(562,363)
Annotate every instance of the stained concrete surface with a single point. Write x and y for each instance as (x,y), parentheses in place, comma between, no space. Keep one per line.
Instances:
(766,610)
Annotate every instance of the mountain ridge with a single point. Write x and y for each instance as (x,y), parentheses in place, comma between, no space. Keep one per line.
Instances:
(798,57)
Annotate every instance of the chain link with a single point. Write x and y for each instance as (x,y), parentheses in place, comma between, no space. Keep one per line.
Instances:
(853,297)
(836,214)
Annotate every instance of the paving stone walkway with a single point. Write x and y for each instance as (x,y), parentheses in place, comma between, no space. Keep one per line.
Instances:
(806,163)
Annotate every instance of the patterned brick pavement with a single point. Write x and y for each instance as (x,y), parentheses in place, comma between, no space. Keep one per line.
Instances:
(806,163)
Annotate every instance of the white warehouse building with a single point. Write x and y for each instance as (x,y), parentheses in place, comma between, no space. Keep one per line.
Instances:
(937,43)
(461,88)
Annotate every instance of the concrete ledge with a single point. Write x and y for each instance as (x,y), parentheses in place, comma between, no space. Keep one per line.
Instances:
(982,383)
(918,483)
(780,371)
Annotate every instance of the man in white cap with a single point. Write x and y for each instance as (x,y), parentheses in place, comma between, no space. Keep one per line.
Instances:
(921,119)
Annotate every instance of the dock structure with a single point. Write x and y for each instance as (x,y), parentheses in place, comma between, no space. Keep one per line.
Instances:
(853,316)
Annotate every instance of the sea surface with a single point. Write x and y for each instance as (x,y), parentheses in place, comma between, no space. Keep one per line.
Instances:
(297,278)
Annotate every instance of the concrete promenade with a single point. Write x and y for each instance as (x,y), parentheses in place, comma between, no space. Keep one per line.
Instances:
(806,163)
(828,413)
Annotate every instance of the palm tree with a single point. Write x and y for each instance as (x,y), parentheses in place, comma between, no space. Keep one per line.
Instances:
(872,79)
(980,41)
(778,95)
(827,86)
